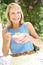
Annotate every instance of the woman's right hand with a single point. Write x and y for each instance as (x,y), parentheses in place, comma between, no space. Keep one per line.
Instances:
(6,36)
(6,42)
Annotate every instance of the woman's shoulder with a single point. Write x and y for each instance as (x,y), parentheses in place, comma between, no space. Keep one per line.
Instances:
(5,28)
(3,31)
(28,24)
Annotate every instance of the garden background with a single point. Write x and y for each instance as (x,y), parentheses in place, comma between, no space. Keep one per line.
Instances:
(32,10)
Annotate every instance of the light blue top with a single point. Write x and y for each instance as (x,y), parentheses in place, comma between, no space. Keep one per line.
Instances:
(19,47)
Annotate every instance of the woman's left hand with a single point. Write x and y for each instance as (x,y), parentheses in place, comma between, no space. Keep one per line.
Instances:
(25,39)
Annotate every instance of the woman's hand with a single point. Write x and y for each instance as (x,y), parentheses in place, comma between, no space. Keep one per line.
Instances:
(25,39)
(6,38)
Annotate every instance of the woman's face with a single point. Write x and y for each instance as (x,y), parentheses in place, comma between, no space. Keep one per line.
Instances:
(14,15)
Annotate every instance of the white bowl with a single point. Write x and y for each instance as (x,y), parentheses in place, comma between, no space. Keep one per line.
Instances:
(18,37)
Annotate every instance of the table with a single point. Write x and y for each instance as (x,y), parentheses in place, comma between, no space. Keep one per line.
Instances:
(33,59)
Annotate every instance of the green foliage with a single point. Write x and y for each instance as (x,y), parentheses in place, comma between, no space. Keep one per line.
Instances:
(7,1)
(2,13)
(31,10)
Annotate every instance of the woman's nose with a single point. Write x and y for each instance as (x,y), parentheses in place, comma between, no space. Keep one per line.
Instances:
(15,14)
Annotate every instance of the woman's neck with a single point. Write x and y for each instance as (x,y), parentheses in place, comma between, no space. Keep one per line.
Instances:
(16,26)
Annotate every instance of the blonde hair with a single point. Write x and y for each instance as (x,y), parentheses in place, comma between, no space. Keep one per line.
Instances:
(15,5)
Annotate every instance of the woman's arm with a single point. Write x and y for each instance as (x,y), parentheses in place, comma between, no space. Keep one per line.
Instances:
(6,42)
(34,38)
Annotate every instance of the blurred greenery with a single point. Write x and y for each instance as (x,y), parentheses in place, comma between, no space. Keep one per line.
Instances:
(32,10)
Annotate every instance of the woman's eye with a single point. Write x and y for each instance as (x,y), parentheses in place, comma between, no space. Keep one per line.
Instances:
(18,12)
(13,13)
